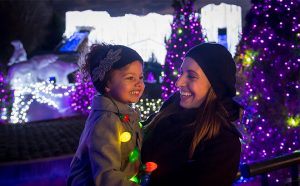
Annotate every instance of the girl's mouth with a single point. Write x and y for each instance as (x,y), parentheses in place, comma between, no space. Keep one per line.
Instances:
(135,92)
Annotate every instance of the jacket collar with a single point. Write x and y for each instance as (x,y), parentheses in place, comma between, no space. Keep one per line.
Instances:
(104,103)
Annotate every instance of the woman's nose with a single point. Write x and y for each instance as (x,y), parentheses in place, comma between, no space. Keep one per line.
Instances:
(179,82)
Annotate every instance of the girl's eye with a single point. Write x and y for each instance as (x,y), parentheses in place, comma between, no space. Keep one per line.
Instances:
(142,77)
(130,78)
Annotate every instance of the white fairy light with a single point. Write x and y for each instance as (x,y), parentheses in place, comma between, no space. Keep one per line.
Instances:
(148,106)
(41,92)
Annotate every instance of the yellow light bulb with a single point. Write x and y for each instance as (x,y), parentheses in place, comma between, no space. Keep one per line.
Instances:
(125,137)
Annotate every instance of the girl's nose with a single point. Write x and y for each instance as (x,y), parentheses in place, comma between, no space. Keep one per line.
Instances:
(140,82)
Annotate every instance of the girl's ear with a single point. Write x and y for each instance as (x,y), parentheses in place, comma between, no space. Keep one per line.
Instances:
(107,89)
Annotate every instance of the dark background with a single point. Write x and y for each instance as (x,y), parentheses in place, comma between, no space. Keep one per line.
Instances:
(40,24)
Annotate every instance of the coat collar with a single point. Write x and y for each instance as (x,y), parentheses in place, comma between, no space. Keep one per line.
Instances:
(104,103)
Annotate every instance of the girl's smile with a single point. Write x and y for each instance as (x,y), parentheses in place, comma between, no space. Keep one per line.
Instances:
(127,84)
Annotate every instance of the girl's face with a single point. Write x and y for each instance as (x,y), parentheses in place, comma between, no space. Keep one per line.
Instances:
(127,84)
(192,83)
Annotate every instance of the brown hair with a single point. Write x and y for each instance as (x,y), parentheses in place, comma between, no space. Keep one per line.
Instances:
(209,121)
(89,60)
(207,124)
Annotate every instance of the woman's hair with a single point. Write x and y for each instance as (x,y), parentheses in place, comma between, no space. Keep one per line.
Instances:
(208,123)
(97,54)
(211,115)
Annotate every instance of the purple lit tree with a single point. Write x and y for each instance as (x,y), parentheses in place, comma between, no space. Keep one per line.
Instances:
(268,64)
(81,98)
(186,33)
(5,98)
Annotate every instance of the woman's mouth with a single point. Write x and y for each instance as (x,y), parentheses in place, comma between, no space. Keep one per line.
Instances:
(185,93)
(185,96)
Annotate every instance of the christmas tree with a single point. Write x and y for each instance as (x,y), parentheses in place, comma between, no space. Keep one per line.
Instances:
(269,78)
(186,33)
(6,99)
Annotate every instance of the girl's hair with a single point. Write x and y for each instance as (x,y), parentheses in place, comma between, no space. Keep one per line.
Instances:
(89,60)
(211,115)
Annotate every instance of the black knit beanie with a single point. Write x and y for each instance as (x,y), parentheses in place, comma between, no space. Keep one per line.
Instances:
(219,67)
(127,55)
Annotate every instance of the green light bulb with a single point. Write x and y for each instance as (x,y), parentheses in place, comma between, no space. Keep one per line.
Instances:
(134,179)
(134,155)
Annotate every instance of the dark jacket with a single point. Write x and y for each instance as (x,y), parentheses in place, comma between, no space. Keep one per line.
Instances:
(101,158)
(215,162)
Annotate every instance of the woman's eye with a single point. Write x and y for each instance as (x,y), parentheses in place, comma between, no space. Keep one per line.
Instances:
(142,77)
(191,76)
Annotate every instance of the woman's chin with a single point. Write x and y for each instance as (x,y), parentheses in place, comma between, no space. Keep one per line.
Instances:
(183,104)
(189,103)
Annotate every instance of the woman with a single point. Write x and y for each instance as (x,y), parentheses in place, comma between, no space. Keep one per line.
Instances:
(192,138)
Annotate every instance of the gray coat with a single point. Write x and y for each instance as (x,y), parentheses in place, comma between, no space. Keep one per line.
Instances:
(101,158)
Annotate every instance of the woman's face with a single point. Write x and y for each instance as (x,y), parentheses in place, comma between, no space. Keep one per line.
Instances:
(192,83)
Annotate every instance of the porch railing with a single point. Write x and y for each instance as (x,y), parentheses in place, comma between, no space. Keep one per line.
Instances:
(262,168)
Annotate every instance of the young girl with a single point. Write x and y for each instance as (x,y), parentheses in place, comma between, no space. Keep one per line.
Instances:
(192,138)
(108,151)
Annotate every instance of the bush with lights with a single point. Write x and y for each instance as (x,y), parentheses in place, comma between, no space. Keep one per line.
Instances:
(6,99)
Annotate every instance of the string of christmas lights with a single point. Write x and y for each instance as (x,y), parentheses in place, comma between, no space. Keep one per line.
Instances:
(5,97)
(81,98)
(148,106)
(42,92)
